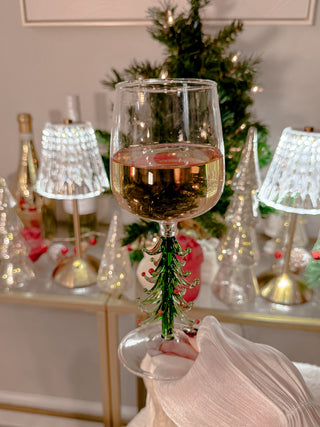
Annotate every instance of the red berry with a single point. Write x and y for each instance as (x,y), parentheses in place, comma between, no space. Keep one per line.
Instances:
(197,321)
(143,273)
(129,248)
(64,250)
(278,254)
(316,254)
(160,312)
(92,241)
(151,270)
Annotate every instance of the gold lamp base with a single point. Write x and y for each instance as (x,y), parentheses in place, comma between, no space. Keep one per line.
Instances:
(77,272)
(284,288)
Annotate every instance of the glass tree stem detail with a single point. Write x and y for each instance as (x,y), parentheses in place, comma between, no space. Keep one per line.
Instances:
(165,298)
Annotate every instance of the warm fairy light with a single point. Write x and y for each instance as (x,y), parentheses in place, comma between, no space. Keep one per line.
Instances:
(243,126)
(170,18)
(235,57)
(163,74)
(256,89)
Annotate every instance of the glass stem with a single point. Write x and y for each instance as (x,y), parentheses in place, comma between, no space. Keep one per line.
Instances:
(292,227)
(168,229)
(167,290)
(169,282)
(168,232)
(76,227)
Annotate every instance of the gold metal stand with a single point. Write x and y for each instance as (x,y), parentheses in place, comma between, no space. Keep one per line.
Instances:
(286,288)
(78,271)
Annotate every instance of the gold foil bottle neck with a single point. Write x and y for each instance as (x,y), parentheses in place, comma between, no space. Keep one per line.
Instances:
(24,123)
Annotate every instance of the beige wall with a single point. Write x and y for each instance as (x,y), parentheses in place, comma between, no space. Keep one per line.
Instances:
(39,66)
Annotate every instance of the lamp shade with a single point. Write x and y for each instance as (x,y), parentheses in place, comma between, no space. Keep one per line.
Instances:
(70,164)
(292,183)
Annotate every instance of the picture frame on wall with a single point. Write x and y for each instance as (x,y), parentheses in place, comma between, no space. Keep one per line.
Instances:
(128,12)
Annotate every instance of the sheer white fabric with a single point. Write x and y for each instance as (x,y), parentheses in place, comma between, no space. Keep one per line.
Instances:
(232,383)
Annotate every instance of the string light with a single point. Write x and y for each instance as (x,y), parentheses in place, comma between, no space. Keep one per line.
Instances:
(163,74)
(235,57)
(170,18)
(256,89)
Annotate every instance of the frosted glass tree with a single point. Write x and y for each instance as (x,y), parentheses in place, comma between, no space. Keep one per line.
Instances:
(15,265)
(236,282)
(115,274)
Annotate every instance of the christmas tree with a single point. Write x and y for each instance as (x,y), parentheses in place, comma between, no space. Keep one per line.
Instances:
(190,53)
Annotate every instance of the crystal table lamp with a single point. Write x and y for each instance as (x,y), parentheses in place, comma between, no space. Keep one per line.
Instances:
(71,168)
(292,185)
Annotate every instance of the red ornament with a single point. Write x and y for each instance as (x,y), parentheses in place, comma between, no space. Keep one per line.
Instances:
(64,250)
(129,248)
(36,242)
(193,264)
(316,254)
(160,312)
(37,251)
(151,270)
(278,254)
(92,241)
(197,321)
(143,273)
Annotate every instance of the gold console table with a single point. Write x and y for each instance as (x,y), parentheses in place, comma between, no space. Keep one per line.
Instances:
(43,292)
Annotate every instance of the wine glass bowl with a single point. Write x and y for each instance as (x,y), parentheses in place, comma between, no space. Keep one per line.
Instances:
(167,165)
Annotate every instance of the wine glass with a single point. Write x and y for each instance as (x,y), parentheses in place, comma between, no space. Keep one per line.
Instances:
(167,165)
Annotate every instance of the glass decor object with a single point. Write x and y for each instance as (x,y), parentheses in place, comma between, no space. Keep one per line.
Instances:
(15,265)
(292,185)
(167,165)
(238,253)
(71,168)
(115,274)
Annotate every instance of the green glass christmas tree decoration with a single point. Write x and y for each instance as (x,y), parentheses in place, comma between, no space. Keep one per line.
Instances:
(165,299)
(190,53)
(236,282)
(312,272)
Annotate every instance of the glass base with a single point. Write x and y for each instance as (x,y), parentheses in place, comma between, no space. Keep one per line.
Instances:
(145,353)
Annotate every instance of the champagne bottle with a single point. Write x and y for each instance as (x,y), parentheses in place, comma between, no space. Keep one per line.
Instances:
(32,209)
(87,208)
